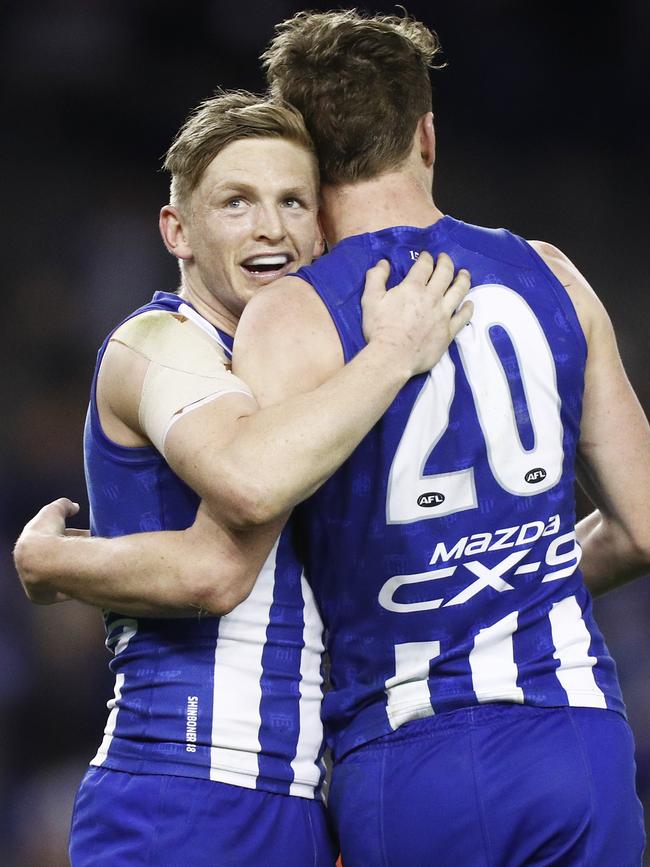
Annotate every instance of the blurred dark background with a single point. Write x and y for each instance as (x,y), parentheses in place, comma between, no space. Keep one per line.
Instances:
(541,128)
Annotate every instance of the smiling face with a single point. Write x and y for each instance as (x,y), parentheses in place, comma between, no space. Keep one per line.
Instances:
(251,219)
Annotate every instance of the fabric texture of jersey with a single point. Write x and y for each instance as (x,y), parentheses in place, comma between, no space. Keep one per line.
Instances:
(133,820)
(442,554)
(234,699)
(493,786)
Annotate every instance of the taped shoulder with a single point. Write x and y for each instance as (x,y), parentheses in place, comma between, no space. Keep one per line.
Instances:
(172,340)
(187,368)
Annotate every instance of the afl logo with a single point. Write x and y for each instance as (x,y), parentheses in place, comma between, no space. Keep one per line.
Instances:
(536,475)
(433,498)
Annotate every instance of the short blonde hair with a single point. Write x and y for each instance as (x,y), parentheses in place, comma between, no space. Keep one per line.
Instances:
(221,120)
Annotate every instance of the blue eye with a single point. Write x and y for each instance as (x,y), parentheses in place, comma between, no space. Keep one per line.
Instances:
(235,203)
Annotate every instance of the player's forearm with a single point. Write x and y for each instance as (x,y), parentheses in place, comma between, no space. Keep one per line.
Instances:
(135,575)
(610,558)
(167,574)
(284,452)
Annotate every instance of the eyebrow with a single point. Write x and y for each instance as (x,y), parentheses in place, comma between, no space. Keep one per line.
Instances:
(235,186)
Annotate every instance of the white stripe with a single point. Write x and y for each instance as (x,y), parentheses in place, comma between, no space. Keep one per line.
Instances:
(234,778)
(310,735)
(554,559)
(237,692)
(407,693)
(527,568)
(494,672)
(129,629)
(186,310)
(560,573)
(572,639)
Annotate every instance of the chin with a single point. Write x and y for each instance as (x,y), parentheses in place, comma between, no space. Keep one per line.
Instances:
(246,294)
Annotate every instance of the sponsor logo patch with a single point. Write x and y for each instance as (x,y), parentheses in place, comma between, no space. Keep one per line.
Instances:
(538,474)
(430,499)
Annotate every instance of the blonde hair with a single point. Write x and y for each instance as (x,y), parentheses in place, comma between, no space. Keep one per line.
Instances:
(221,120)
(361,84)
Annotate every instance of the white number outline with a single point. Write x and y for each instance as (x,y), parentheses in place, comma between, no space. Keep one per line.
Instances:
(406,481)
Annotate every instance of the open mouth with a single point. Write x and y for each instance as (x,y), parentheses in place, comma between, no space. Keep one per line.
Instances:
(266,264)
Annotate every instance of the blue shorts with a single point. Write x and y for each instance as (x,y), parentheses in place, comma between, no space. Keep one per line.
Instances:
(123,820)
(493,786)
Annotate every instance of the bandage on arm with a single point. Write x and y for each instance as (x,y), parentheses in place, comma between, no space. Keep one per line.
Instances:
(187,368)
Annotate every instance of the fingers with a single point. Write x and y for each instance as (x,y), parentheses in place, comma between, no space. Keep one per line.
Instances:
(62,507)
(423,268)
(443,273)
(457,291)
(74,531)
(53,515)
(67,507)
(439,276)
(376,279)
(61,597)
(460,318)
(49,598)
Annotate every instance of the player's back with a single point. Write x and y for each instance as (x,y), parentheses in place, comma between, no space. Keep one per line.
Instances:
(443,553)
(235,698)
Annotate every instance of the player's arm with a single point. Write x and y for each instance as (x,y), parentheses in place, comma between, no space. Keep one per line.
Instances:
(286,341)
(206,568)
(249,467)
(614,450)
(156,367)
(287,344)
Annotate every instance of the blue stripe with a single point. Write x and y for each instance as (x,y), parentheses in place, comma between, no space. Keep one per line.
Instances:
(168,666)
(533,651)
(280,681)
(451,683)
(507,355)
(166,663)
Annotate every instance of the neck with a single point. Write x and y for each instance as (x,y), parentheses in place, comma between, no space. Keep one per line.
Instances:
(393,199)
(205,303)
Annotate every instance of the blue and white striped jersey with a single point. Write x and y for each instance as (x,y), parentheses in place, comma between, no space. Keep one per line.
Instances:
(233,698)
(443,554)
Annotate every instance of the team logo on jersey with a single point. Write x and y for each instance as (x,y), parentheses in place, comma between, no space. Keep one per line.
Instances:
(536,475)
(432,498)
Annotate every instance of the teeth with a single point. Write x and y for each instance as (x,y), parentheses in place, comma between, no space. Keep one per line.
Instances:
(280,260)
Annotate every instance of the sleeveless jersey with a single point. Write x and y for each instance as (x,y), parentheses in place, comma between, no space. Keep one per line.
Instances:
(233,698)
(443,554)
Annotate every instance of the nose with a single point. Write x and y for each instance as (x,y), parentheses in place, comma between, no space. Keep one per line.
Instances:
(269,223)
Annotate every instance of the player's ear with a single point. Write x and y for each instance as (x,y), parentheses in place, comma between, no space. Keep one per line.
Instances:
(427,139)
(173,230)
(319,244)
